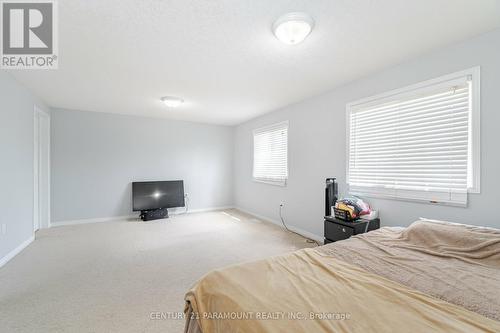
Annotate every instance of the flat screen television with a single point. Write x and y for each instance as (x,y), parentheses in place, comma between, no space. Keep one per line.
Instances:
(156,195)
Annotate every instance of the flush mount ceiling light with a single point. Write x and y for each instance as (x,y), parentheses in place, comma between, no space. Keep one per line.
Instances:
(172,102)
(293,28)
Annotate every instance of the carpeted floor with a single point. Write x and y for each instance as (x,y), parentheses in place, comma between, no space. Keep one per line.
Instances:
(111,277)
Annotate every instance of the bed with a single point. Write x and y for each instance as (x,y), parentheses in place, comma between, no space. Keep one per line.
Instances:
(429,277)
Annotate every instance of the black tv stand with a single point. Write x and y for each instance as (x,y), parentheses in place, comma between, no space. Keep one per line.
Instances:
(154,214)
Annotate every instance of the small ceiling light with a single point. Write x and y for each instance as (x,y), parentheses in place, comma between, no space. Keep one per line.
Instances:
(293,28)
(172,102)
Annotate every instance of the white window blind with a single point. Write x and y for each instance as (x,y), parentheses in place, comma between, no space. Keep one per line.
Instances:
(417,143)
(270,154)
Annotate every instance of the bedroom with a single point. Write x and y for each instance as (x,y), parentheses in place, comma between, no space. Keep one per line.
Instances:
(74,255)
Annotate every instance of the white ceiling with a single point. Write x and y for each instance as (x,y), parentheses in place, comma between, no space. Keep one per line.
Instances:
(121,56)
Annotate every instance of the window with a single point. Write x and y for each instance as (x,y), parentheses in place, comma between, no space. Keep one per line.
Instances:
(270,154)
(418,143)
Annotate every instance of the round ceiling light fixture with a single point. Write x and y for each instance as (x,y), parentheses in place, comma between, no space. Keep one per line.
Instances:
(293,28)
(172,102)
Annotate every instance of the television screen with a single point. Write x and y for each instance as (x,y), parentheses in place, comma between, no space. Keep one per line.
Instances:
(154,195)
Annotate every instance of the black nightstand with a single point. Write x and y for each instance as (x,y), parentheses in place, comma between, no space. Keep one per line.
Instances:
(336,229)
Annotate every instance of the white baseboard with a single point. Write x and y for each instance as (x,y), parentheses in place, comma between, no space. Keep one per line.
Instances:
(16,251)
(127,217)
(199,210)
(94,220)
(302,232)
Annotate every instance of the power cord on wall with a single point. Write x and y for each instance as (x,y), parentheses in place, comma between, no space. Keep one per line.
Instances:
(309,240)
(186,203)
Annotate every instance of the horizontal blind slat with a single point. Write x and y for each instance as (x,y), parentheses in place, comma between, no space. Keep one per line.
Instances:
(368,115)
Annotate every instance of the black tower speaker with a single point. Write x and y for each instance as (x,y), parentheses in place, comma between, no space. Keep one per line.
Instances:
(331,195)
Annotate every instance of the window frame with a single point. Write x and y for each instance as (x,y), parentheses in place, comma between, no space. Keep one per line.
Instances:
(268,181)
(475,128)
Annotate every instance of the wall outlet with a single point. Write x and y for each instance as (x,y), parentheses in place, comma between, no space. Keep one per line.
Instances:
(4,228)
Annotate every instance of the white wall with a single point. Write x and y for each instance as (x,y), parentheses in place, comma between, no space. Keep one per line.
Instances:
(317,144)
(96,156)
(16,162)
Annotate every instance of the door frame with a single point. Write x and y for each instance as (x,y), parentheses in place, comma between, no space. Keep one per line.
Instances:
(39,221)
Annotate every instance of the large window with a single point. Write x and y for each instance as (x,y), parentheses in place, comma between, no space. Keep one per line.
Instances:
(270,154)
(417,143)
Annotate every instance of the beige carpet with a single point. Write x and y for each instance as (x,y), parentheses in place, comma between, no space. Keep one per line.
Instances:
(110,277)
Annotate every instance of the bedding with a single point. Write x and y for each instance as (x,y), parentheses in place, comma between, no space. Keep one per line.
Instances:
(454,262)
(429,277)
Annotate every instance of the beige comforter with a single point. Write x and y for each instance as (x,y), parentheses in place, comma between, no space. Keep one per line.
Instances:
(454,262)
(372,286)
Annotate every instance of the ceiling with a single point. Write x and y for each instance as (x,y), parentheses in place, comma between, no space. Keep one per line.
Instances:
(122,56)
